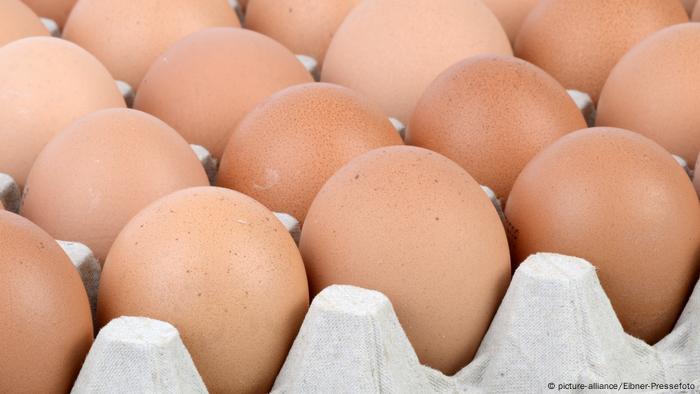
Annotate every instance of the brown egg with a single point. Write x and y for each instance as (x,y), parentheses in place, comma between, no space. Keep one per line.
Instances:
(46,324)
(390,50)
(284,150)
(491,115)
(622,202)
(579,42)
(414,225)
(689,5)
(653,90)
(222,269)
(46,84)
(57,10)
(127,36)
(102,170)
(511,13)
(207,82)
(696,13)
(18,21)
(696,176)
(305,27)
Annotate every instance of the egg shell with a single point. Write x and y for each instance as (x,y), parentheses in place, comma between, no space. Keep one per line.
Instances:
(304,26)
(511,14)
(284,150)
(222,269)
(620,201)
(46,327)
(205,83)
(653,91)
(689,5)
(102,170)
(56,10)
(579,42)
(414,225)
(696,13)
(127,36)
(696,177)
(390,50)
(47,83)
(18,21)
(491,115)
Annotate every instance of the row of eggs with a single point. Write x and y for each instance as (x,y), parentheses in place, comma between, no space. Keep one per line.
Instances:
(404,220)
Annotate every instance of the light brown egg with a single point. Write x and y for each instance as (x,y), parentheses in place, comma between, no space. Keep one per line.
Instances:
(689,5)
(222,269)
(653,90)
(620,201)
(491,115)
(390,50)
(579,42)
(696,13)
(18,21)
(46,84)
(57,10)
(207,82)
(127,36)
(284,150)
(306,27)
(511,13)
(696,176)
(102,170)
(46,324)
(414,225)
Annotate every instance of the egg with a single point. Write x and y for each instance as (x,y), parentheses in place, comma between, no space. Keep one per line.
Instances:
(46,84)
(46,324)
(414,225)
(305,27)
(390,50)
(689,5)
(222,269)
(653,91)
(284,150)
(511,13)
(18,21)
(127,36)
(696,13)
(579,42)
(696,177)
(56,10)
(620,201)
(103,169)
(204,84)
(491,115)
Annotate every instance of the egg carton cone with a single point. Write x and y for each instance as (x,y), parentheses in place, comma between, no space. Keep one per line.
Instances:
(400,127)
(138,355)
(239,10)
(127,92)
(10,194)
(51,26)
(311,65)
(554,327)
(683,163)
(88,267)
(585,105)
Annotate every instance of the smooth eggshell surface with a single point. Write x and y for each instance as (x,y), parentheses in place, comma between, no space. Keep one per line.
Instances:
(696,13)
(224,271)
(46,84)
(18,21)
(287,147)
(696,177)
(102,170)
(305,27)
(204,84)
(511,13)
(579,42)
(491,115)
(414,225)
(46,325)
(620,201)
(653,90)
(391,50)
(57,10)
(127,36)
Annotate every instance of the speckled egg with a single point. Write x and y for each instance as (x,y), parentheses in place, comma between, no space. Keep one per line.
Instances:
(579,42)
(46,84)
(102,170)
(491,115)
(620,201)
(222,269)
(127,36)
(46,325)
(18,21)
(414,225)
(653,90)
(390,50)
(57,10)
(286,148)
(204,84)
